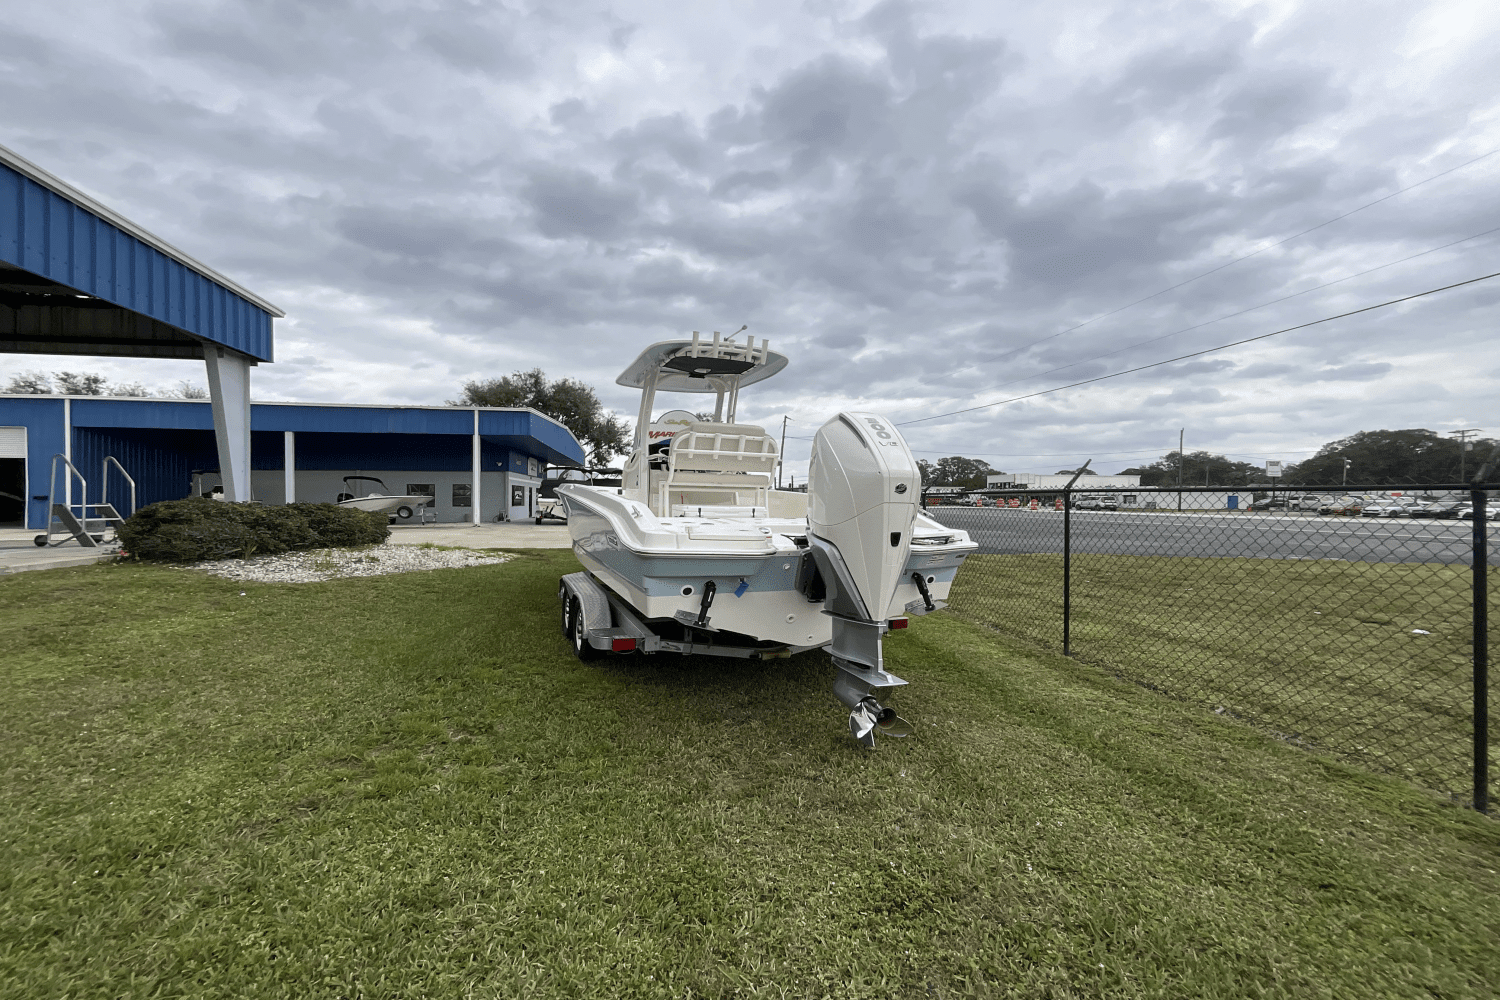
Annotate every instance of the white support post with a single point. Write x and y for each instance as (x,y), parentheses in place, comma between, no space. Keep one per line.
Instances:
(68,454)
(289,461)
(229,390)
(478,518)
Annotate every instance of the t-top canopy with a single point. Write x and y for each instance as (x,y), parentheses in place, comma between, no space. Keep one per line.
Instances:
(695,365)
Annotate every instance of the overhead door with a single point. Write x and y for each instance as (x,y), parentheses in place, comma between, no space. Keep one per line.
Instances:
(12,442)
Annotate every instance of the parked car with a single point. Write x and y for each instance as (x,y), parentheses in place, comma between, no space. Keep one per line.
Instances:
(1270,503)
(1343,505)
(1388,508)
(1437,508)
(1310,501)
(1097,503)
(1491,511)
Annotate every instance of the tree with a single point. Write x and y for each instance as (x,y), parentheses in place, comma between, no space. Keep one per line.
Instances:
(566,400)
(1199,468)
(29,384)
(955,471)
(1390,458)
(80,383)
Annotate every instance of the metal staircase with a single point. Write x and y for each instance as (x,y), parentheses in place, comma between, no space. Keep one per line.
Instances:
(92,525)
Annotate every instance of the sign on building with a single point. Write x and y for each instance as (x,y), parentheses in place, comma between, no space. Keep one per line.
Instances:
(1273,469)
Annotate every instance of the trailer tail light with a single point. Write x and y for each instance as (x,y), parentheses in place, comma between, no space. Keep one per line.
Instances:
(899,622)
(622,645)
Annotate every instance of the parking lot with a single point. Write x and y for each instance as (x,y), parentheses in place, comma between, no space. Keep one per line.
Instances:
(1226,534)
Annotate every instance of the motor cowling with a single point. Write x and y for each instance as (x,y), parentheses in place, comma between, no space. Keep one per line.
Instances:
(864,493)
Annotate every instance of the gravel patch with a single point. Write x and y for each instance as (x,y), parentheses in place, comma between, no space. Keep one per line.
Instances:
(317,565)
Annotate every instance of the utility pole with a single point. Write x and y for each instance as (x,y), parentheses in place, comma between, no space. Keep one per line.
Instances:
(1180,457)
(1463,447)
(779,459)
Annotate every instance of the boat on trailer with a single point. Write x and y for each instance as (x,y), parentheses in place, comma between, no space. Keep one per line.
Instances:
(697,552)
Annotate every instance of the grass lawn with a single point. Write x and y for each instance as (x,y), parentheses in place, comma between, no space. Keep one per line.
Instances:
(1372,660)
(406,786)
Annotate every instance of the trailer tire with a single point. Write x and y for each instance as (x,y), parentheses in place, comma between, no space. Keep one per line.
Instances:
(404,513)
(581,647)
(562,599)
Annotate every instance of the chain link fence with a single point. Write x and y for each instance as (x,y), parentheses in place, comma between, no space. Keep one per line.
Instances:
(1350,620)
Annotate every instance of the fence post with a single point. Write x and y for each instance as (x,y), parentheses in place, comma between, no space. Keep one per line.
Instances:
(1067,571)
(1481,656)
(1067,493)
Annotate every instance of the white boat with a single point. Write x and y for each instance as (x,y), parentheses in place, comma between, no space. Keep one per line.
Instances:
(404,506)
(696,552)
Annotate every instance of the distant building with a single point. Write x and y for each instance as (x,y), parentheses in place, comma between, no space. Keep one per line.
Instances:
(1034,481)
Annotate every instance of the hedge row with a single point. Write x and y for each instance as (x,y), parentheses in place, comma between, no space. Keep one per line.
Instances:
(197,528)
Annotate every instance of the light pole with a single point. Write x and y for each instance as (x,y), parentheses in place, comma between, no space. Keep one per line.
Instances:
(780,460)
(1345,483)
(1179,466)
(1463,447)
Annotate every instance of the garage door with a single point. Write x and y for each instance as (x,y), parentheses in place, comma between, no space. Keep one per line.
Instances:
(12,442)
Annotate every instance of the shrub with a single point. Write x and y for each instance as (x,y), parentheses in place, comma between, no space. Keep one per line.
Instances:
(196,528)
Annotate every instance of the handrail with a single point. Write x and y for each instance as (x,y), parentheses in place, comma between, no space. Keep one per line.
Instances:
(82,505)
(104,482)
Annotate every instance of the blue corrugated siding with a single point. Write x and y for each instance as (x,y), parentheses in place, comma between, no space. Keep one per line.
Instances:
(161,442)
(160,461)
(46,234)
(43,420)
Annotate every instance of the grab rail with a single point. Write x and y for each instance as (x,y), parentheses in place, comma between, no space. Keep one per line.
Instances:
(104,482)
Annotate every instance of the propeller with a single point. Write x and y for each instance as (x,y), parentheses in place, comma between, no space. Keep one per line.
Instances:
(870,717)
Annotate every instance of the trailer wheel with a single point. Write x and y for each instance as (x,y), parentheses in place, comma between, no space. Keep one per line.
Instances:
(562,600)
(404,513)
(538,520)
(581,647)
(41,541)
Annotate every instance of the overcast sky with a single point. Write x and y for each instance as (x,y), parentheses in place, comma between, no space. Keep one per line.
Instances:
(927,206)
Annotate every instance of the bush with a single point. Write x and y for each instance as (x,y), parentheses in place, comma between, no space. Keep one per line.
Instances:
(196,528)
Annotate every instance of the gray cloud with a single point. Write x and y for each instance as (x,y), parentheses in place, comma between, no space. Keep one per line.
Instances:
(907,199)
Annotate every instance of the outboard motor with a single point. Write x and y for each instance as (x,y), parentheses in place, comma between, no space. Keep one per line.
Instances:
(864,491)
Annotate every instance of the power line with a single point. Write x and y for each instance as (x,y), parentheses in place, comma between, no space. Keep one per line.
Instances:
(1241,312)
(1211,350)
(1172,288)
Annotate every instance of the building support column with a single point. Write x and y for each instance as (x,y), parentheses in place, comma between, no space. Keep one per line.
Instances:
(474,498)
(229,391)
(289,464)
(68,454)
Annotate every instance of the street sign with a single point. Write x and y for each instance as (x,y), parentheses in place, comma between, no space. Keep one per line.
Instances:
(1273,469)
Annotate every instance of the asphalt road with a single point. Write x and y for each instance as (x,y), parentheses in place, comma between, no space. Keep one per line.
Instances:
(1226,535)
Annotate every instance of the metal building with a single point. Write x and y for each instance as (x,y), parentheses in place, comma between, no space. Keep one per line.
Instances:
(78,278)
(480,464)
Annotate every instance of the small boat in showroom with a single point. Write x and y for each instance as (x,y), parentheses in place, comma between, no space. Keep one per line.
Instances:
(697,552)
(403,506)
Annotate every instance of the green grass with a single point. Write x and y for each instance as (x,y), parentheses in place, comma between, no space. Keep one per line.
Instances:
(406,787)
(1323,652)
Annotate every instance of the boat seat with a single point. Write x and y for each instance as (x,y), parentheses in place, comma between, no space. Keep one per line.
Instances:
(707,446)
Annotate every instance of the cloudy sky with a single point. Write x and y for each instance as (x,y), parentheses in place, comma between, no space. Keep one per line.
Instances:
(927,206)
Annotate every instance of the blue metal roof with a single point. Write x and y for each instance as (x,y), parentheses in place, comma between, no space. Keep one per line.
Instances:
(78,278)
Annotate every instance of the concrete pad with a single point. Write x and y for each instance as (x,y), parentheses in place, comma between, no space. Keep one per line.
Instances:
(507,535)
(19,552)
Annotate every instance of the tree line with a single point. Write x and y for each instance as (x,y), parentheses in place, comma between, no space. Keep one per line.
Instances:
(1415,455)
(35,383)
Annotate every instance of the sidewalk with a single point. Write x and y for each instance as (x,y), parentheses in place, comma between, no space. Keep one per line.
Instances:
(20,553)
